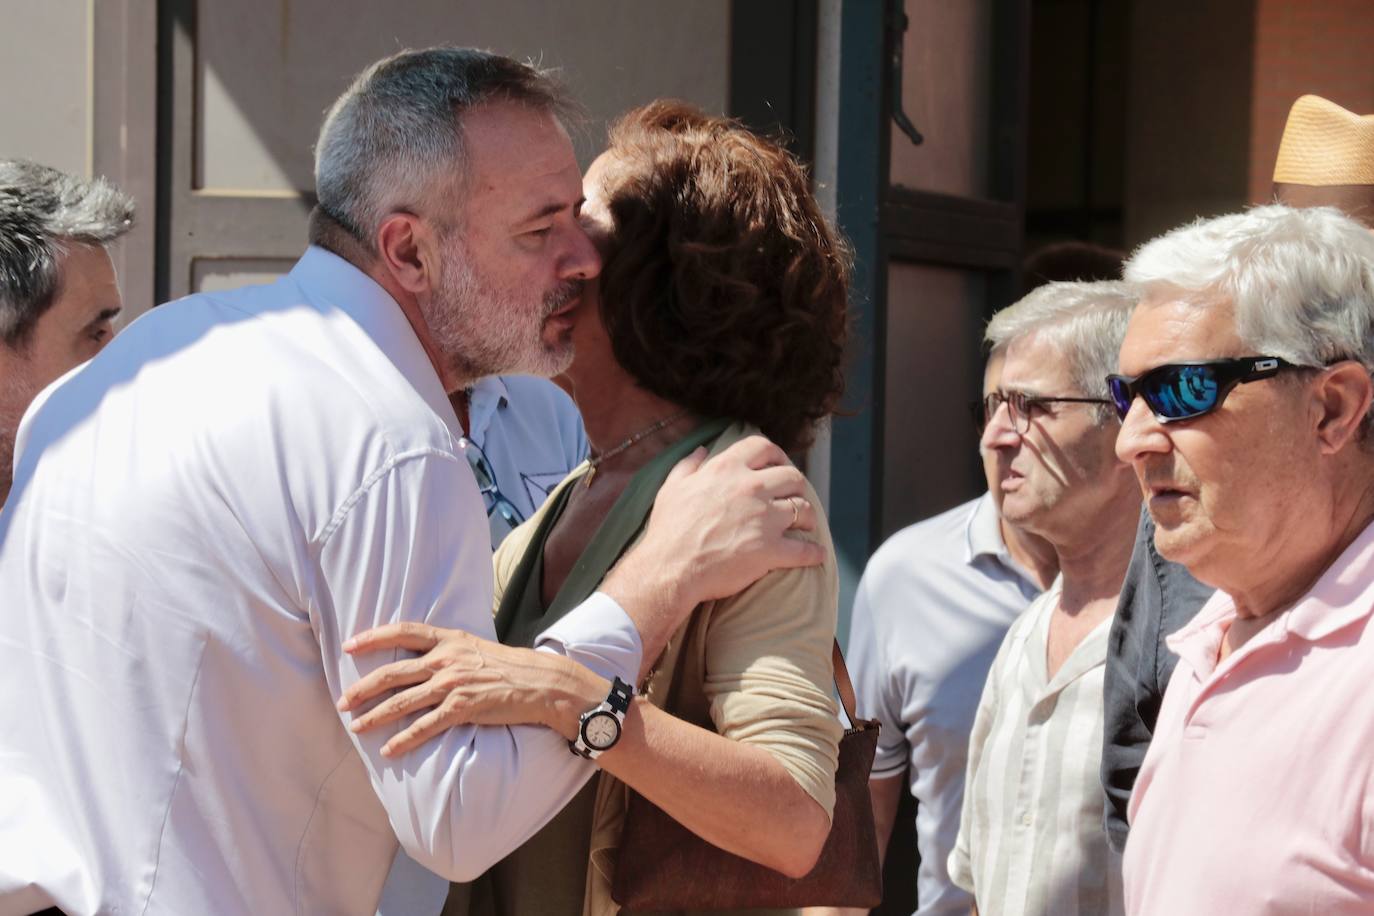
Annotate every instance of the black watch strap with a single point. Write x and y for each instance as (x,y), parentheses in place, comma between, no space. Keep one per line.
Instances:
(620,696)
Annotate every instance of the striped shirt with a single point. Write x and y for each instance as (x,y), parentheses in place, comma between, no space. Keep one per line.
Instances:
(1030,839)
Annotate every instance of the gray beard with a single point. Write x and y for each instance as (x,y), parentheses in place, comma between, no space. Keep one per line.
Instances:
(514,345)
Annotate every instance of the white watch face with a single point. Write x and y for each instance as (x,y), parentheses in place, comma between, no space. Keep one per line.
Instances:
(601,730)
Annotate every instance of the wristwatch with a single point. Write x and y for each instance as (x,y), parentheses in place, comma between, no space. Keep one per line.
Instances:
(599,728)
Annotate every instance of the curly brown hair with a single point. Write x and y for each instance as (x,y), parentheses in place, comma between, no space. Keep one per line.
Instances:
(724,287)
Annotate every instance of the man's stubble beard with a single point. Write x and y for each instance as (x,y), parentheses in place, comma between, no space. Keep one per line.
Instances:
(483,332)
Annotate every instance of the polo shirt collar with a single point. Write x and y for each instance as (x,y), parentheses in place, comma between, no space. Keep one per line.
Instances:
(331,281)
(983,538)
(1343,595)
(1197,641)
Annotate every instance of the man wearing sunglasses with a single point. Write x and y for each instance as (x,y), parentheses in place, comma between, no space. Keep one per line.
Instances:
(1245,393)
(1030,840)
(1326,158)
(931,609)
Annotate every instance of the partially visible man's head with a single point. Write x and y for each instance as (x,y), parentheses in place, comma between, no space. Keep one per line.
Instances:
(1073,261)
(1247,485)
(1048,442)
(450,169)
(58,295)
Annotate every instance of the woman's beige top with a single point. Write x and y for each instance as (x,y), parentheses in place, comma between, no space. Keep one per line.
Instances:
(756,669)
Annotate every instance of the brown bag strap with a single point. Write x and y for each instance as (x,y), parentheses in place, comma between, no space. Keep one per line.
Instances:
(844,685)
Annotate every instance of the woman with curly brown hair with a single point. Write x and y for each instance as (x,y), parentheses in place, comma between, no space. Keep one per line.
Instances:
(720,311)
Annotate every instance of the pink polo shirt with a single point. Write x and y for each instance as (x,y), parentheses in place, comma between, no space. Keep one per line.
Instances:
(1255,796)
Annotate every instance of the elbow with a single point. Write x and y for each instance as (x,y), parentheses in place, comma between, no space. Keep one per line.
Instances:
(451,860)
(804,843)
(466,869)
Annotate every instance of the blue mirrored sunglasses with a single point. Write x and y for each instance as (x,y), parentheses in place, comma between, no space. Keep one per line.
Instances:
(1181,391)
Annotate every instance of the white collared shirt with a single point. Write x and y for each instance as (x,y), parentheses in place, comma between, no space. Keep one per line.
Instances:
(200,516)
(932,608)
(531,435)
(1031,841)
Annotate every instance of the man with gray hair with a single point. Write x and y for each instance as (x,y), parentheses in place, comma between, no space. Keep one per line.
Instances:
(1245,398)
(58,293)
(931,608)
(1030,838)
(207,512)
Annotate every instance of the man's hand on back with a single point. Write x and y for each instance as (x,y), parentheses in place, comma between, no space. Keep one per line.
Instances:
(717,527)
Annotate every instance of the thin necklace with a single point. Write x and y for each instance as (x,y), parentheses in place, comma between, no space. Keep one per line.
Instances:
(596,461)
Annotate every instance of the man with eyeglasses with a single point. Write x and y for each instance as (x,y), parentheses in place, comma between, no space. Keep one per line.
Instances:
(1326,158)
(1030,840)
(1245,393)
(929,613)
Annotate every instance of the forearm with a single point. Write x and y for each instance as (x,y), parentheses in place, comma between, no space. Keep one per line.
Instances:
(885,795)
(465,801)
(733,795)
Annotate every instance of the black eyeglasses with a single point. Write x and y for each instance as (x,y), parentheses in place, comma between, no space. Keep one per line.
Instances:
(1022,407)
(502,516)
(1181,391)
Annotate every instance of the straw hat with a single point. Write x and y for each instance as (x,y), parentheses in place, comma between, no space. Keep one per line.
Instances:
(1326,159)
(1324,145)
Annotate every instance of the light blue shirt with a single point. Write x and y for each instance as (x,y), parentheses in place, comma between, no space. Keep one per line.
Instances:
(931,609)
(531,434)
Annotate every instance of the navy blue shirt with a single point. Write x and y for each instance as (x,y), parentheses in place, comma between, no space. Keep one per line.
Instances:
(1157,598)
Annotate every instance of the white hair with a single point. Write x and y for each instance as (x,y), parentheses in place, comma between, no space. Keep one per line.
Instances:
(1301,280)
(1084,322)
(397,129)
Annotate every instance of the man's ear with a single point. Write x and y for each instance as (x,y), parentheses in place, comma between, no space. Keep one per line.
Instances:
(409,251)
(1344,392)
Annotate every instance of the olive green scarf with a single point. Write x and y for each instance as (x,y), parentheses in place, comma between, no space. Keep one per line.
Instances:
(522,616)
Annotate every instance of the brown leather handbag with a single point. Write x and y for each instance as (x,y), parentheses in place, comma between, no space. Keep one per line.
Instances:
(664,866)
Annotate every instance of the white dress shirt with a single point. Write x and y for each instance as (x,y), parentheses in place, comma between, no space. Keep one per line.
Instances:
(530,434)
(933,605)
(200,516)
(1031,841)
